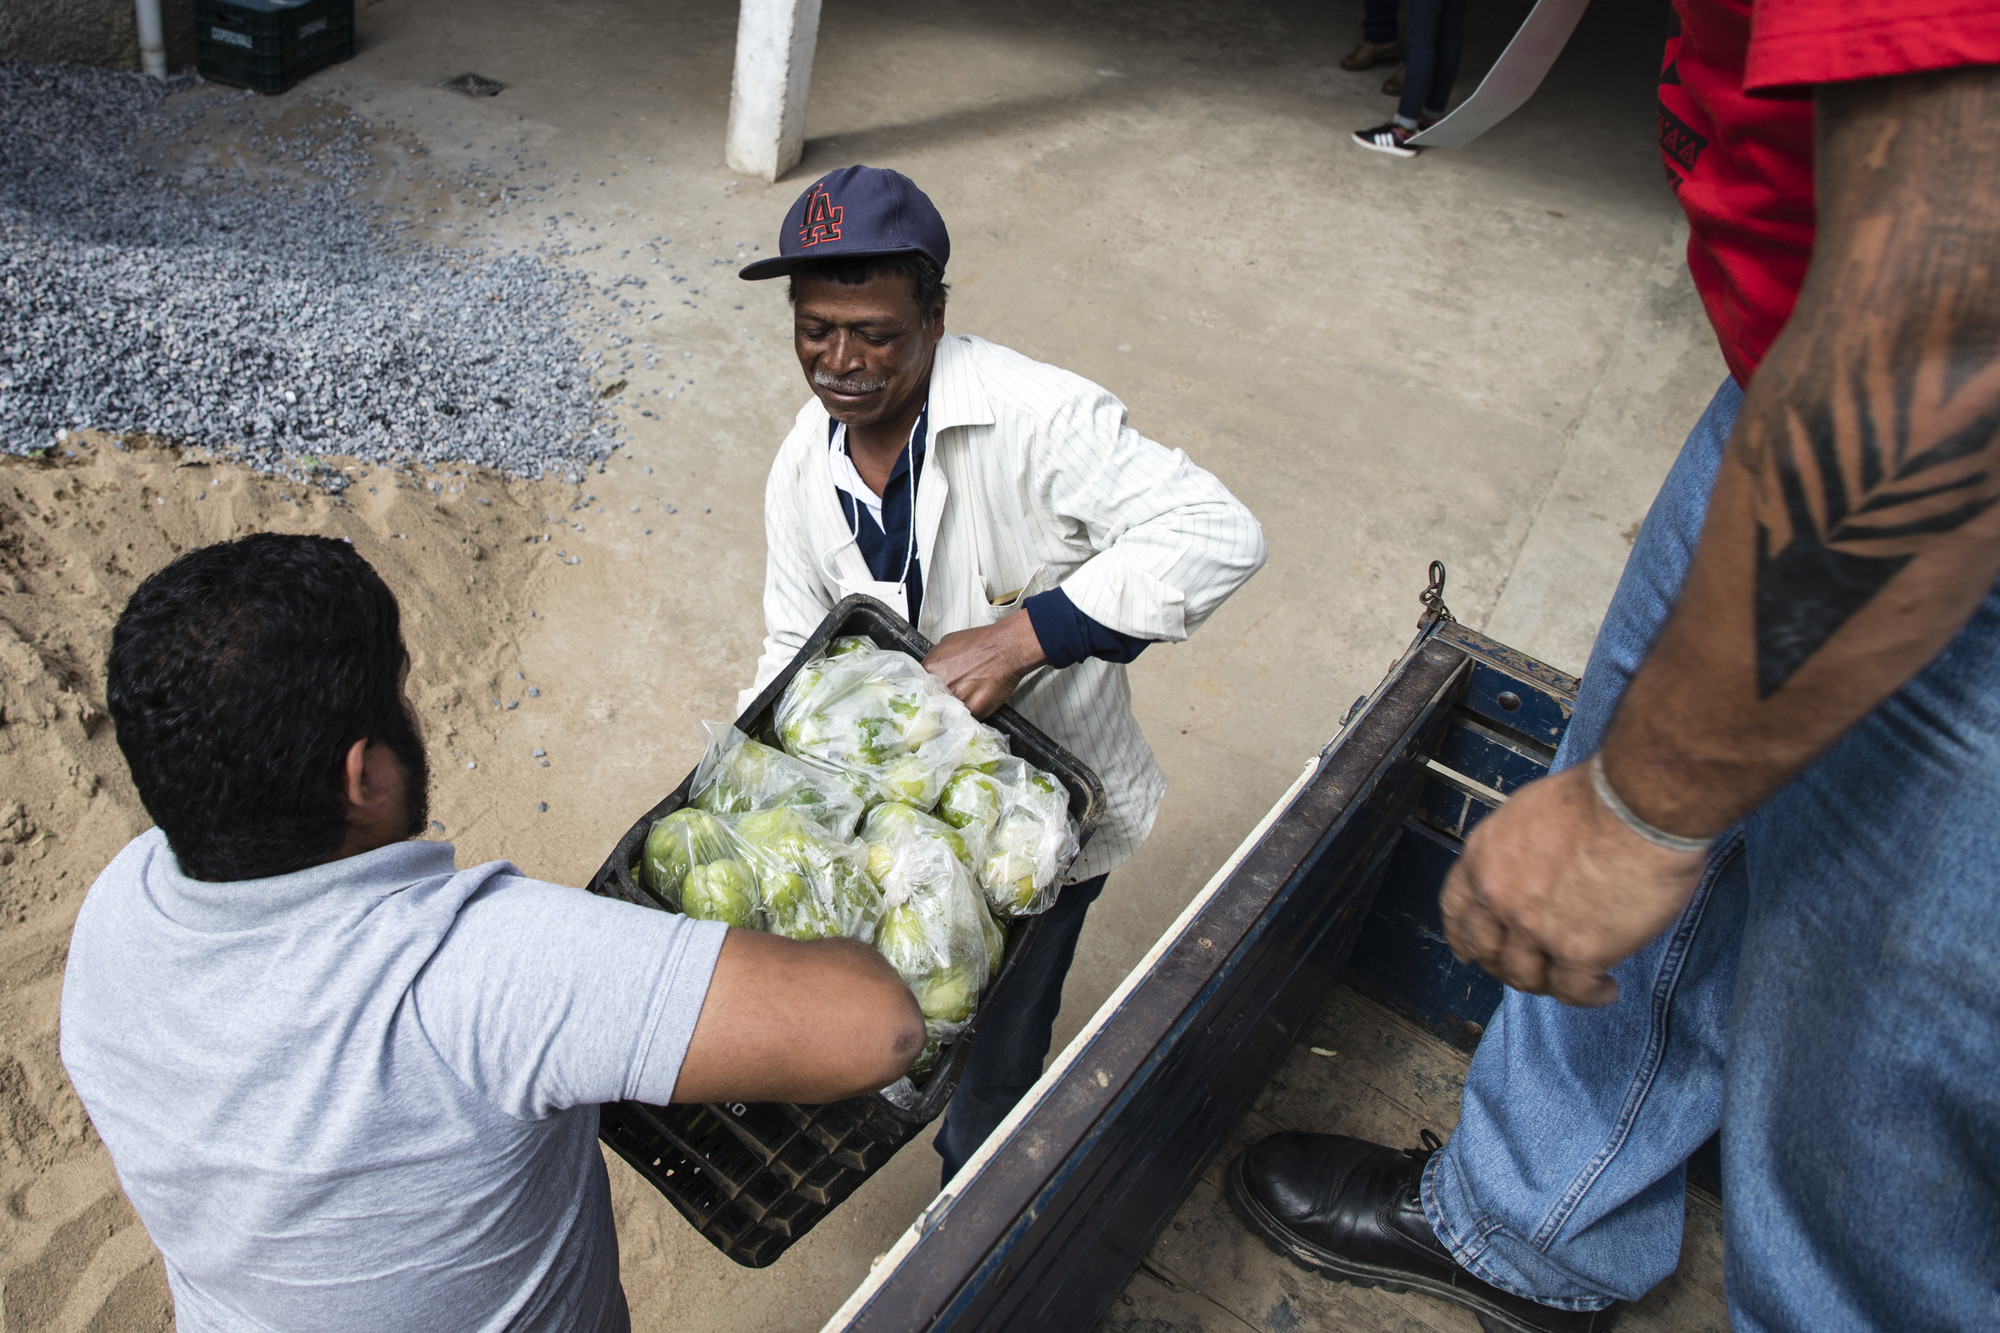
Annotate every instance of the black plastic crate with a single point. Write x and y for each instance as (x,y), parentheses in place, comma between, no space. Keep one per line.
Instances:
(269,45)
(754,1177)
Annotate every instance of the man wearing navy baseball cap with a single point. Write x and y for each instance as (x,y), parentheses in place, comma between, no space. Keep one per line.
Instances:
(1010,513)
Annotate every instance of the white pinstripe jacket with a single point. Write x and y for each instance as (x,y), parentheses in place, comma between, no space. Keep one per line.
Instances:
(1032,480)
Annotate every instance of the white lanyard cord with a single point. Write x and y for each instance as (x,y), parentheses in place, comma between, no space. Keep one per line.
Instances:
(837,443)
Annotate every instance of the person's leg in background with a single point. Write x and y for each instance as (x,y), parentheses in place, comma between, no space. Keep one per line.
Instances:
(1423,27)
(1861,1125)
(1420,56)
(1420,38)
(1378,36)
(1450,49)
(1378,24)
(1011,1042)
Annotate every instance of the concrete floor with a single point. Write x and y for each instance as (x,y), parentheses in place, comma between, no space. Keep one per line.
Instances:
(1485,356)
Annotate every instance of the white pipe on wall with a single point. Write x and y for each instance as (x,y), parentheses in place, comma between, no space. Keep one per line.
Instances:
(152,39)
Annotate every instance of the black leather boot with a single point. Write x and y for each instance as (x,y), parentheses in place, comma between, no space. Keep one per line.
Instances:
(1352,1210)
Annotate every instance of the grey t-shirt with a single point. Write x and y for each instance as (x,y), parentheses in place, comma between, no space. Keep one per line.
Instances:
(364,1097)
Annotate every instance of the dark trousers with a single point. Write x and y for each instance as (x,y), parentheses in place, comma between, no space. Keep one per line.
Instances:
(1378,20)
(1433,41)
(1012,1040)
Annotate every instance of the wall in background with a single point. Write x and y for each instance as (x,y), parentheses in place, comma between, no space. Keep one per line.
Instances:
(91,32)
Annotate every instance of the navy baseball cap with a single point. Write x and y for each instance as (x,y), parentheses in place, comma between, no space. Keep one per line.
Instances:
(854,213)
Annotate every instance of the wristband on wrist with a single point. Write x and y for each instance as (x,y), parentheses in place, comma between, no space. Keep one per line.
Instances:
(1659,837)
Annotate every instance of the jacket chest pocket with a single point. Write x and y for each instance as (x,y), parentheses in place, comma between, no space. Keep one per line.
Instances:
(995,600)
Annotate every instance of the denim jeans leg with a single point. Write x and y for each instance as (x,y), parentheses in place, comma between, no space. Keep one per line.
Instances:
(1012,1042)
(1378,20)
(1564,1179)
(1450,49)
(1420,35)
(1861,1125)
(1651,583)
(1567,1176)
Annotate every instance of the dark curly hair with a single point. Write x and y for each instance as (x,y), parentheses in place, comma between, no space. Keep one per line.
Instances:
(240,675)
(927,285)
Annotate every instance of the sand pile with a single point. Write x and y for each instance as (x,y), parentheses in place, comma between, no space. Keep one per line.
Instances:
(77,533)
(540,618)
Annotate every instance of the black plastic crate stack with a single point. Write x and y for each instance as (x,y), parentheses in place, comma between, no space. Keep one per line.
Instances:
(269,45)
(755,1177)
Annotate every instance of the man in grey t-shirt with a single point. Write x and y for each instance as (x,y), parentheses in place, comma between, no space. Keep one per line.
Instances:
(346,1085)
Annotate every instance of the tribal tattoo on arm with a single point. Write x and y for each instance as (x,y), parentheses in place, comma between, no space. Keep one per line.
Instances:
(1856,526)
(1846,544)
(1883,443)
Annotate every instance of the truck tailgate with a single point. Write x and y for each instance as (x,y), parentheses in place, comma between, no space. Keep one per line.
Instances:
(1043,1227)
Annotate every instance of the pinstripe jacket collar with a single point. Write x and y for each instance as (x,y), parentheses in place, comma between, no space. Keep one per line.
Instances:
(957,399)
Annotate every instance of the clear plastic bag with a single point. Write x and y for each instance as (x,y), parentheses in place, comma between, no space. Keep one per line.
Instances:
(880,716)
(697,866)
(986,751)
(972,802)
(739,776)
(935,931)
(996,942)
(904,1093)
(811,885)
(1015,822)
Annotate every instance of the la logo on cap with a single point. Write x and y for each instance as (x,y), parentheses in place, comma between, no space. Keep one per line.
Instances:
(822,219)
(880,213)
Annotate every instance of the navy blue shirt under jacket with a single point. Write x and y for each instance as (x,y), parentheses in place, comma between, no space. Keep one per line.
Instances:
(1067,635)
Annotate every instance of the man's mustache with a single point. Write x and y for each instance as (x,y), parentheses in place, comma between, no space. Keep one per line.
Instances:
(838,385)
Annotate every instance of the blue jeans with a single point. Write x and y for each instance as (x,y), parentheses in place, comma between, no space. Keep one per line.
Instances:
(1013,1040)
(1433,41)
(1830,998)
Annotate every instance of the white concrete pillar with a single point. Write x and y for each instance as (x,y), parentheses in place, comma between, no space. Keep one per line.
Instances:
(767,100)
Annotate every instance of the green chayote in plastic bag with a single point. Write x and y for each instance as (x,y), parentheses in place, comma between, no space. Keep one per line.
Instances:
(1031,839)
(678,843)
(925,1062)
(738,775)
(935,930)
(791,909)
(723,891)
(986,750)
(814,886)
(941,995)
(880,715)
(892,821)
(947,989)
(972,803)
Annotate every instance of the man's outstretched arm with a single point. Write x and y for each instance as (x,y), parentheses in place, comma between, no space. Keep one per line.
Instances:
(1852,531)
(793,1021)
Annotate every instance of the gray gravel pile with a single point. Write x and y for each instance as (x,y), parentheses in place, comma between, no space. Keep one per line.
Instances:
(258,306)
